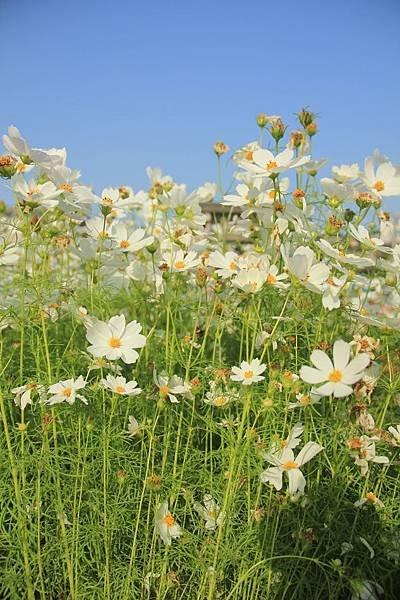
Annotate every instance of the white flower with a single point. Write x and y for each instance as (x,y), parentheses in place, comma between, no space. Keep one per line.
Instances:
(266,164)
(385,181)
(23,394)
(166,526)
(249,373)
(286,462)
(304,400)
(361,234)
(339,375)
(66,391)
(178,261)
(15,143)
(250,281)
(133,426)
(365,590)
(292,441)
(40,194)
(346,173)
(342,257)
(172,386)
(302,264)
(369,498)
(363,451)
(226,264)
(211,512)
(119,385)
(395,431)
(130,241)
(115,339)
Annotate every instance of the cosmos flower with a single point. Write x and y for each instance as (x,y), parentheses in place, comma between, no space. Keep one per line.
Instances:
(339,376)
(166,525)
(66,391)
(115,339)
(249,372)
(286,462)
(119,385)
(210,511)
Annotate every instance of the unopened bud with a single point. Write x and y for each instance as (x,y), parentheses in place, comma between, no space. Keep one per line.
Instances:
(333,225)
(306,117)
(262,120)
(297,138)
(349,215)
(7,166)
(298,194)
(277,130)
(220,148)
(312,129)
(201,276)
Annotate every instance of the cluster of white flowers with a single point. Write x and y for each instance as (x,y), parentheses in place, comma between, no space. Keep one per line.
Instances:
(260,245)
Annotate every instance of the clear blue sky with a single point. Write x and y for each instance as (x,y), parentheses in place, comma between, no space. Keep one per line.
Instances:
(127,84)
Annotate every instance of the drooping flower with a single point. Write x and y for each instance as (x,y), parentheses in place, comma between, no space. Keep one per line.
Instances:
(249,372)
(369,499)
(66,391)
(23,394)
(339,376)
(362,449)
(166,525)
(115,339)
(133,426)
(210,511)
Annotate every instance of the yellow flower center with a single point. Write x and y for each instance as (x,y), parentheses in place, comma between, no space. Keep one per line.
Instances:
(272,194)
(271,165)
(164,389)
(379,186)
(66,187)
(271,279)
(180,264)
(304,400)
(114,342)
(169,520)
(67,392)
(124,244)
(335,376)
(289,464)
(248,374)
(233,266)
(370,497)
(249,155)
(107,201)
(220,401)
(120,389)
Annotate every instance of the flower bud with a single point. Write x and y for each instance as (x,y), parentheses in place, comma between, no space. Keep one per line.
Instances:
(297,138)
(312,129)
(201,276)
(7,166)
(365,199)
(298,194)
(262,120)
(220,148)
(333,225)
(349,215)
(277,129)
(306,117)
(153,247)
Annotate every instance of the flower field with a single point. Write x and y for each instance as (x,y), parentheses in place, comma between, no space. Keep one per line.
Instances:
(200,390)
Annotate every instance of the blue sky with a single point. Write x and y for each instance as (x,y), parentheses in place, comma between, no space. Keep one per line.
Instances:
(127,84)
